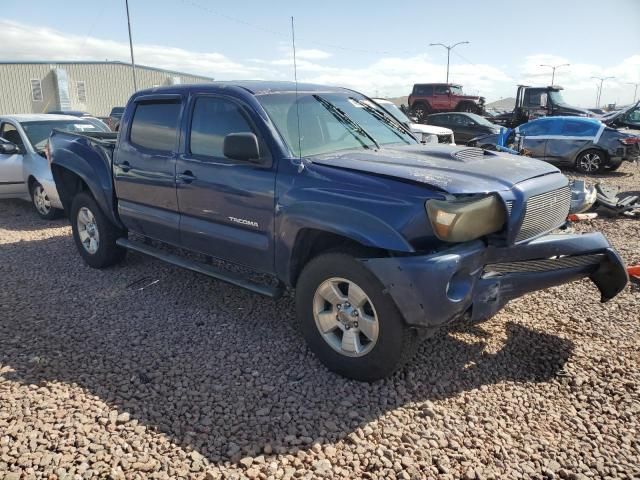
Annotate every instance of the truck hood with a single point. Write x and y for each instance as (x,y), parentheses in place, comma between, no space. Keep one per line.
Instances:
(571,110)
(457,170)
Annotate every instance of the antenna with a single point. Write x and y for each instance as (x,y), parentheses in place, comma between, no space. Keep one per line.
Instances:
(295,77)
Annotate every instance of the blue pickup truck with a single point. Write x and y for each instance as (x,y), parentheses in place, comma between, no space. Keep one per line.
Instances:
(384,239)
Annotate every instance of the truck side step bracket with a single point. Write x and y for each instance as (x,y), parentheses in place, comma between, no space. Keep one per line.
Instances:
(205,269)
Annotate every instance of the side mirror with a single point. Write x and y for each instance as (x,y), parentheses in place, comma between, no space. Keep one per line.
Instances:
(9,148)
(242,146)
(543,100)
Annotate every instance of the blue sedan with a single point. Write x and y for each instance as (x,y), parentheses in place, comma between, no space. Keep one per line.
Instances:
(584,143)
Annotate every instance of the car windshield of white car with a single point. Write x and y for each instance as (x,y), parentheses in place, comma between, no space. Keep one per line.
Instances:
(38,132)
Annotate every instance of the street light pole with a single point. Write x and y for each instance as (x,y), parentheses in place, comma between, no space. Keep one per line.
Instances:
(602,79)
(553,69)
(133,62)
(635,91)
(449,48)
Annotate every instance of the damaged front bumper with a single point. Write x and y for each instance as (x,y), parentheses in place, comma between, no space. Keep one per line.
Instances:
(472,278)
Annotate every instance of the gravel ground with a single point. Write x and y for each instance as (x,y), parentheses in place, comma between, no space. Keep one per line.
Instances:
(148,371)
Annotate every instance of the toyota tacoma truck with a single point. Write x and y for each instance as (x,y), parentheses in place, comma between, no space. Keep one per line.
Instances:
(382,238)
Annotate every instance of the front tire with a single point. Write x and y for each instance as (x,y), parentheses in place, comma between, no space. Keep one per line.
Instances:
(468,108)
(41,202)
(349,322)
(95,236)
(591,161)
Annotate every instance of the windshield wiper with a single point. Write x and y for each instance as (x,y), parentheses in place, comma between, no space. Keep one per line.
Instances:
(383,117)
(342,117)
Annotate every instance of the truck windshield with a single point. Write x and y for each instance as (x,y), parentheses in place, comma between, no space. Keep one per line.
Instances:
(556,98)
(38,132)
(329,122)
(393,109)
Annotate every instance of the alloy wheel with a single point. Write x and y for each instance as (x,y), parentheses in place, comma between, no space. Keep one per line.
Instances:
(590,162)
(41,200)
(345,317)
(88,230)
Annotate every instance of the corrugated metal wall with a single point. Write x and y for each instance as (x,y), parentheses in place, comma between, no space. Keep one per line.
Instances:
(107,85)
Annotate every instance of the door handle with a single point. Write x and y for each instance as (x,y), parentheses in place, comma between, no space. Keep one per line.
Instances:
(125,166)
(186,176)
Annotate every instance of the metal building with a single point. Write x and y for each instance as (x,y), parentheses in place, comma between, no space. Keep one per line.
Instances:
(94,87)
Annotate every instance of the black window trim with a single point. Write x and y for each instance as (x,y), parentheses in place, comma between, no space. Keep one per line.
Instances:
(147,99)
(266,157)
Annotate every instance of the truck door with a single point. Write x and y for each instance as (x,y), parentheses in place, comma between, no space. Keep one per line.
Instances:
(12,182)
(226,206)
(144,168)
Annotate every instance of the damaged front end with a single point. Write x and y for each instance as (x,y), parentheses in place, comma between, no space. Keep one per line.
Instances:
(478,280)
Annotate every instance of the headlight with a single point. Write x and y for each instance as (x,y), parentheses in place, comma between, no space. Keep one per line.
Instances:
(429,138)
(464,220)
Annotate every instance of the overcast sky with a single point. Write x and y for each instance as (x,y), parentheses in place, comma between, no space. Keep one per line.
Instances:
(379,49)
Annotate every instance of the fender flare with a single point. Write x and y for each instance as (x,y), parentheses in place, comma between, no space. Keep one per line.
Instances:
(356,225)
(92,165)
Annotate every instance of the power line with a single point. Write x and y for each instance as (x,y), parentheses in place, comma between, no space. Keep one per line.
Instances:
(306,41)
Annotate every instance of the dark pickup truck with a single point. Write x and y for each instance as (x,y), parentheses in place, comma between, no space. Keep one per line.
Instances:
(382,238)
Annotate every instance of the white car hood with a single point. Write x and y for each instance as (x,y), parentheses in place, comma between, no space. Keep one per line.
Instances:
(432,129)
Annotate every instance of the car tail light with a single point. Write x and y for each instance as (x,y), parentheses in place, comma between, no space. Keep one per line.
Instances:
(47,153)
(630,140)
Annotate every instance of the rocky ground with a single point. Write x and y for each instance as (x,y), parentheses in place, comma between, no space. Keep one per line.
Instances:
(148,371)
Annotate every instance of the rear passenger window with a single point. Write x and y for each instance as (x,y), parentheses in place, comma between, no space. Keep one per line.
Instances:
(213,119)
(579,128)
(155,125)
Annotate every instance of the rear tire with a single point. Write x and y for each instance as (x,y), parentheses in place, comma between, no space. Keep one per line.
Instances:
(420,111)
(349,322)
(95,236)
(591,161)
(41,202)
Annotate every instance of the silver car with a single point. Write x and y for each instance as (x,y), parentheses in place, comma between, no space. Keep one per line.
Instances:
(24,168)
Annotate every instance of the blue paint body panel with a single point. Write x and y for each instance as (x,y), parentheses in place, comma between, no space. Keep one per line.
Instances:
(254,214)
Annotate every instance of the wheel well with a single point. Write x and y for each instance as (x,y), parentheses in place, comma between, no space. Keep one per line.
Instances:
(597,149)
(69,184)
(311,242)
(30,181)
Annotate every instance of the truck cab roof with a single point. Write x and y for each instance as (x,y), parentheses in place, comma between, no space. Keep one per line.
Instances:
(254,87)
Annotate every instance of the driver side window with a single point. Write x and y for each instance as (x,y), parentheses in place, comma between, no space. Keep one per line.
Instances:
(11,134)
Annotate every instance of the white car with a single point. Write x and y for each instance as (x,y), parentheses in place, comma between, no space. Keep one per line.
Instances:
(24,168)
(424,133)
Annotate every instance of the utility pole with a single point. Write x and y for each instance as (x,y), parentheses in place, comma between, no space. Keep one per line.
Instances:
(449,48)
(553,69)
(133,62)
(602,79)
(635,91)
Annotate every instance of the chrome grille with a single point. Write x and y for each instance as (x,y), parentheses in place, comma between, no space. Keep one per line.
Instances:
(544,212)
(545,264)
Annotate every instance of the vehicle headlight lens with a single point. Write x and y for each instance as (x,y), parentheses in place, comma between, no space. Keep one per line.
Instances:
(429,138)
(464,220)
